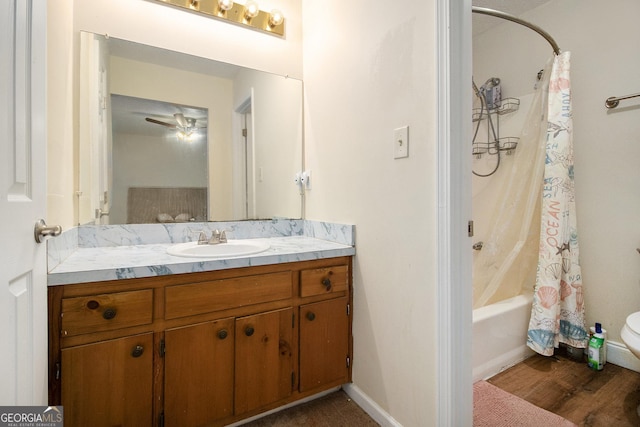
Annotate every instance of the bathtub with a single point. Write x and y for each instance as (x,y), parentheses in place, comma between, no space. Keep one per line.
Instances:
(500,335)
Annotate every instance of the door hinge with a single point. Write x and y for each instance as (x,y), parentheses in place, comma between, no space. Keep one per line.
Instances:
(57,370)
(244,133)
(348,309)
(161,420)
(162,348)
(293,320)
(470,228)
(348,361)
(293,379)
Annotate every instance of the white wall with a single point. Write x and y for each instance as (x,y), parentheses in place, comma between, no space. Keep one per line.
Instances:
(370,68)
(153,24)
(603,41)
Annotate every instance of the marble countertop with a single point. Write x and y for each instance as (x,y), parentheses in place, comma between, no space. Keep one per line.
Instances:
(126,262)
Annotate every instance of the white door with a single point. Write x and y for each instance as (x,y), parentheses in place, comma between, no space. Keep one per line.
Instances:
(23,285)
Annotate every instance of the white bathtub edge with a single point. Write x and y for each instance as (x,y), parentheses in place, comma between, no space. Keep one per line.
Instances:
(501,363)
(500,335)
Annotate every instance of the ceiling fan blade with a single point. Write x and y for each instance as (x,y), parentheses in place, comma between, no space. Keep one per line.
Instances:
(158,122)
(181,120)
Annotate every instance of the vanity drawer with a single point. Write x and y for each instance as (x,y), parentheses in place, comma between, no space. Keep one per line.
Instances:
(216,295)
(105,312)
(324,280)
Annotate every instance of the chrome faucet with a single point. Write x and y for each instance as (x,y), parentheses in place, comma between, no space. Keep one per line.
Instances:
(218,237)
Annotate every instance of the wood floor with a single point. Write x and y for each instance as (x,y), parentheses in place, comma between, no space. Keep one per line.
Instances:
(572,390)
(559,384)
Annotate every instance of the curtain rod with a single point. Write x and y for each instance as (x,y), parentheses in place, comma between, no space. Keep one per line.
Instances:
(503,15)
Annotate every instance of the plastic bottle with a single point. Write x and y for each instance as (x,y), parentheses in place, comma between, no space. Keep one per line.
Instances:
(592,330)
(596,355)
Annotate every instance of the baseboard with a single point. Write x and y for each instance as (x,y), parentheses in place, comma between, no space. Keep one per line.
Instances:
(283,407)
(619,354)
(374,410)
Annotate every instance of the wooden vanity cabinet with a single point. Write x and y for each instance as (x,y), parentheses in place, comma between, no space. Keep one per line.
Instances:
(324,343)
(199,373)
(109,383)
(264,359)
(199,349)
(325,327)
(217,369)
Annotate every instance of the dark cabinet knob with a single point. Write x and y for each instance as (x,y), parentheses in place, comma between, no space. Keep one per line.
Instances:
(137,351)
(93,304)
(109,313)
(222,334)
(248,331)
(311,316)
(326,281)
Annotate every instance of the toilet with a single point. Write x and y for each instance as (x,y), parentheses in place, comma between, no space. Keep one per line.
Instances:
(630,333)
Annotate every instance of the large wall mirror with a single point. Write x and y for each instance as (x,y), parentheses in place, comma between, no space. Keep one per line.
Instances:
(169,137)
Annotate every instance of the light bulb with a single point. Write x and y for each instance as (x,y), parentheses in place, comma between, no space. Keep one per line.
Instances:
(251,9)
(275,18)
(225,4)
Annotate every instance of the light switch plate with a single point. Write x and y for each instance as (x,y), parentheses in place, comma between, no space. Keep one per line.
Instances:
(401,142)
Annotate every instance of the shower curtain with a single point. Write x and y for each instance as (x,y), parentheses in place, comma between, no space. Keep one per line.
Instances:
(507,262)
(557,315)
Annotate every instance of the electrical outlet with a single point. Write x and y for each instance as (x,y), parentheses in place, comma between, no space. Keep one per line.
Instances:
(401,142)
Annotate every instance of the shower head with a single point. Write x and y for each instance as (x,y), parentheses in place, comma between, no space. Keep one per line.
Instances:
(491,82)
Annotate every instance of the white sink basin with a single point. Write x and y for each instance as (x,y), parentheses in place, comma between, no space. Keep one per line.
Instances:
(233,248)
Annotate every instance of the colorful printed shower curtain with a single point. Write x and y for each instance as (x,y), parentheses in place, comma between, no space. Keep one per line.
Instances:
(557,314)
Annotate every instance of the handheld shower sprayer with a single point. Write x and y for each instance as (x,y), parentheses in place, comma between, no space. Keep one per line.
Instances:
(491,82)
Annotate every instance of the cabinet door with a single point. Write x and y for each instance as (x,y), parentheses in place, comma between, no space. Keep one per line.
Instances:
(264,359)
(199,373)
(324,343)
(109,383)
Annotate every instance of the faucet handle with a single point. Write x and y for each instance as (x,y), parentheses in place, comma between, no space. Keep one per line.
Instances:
(215,237)
(223,236)
(202,236)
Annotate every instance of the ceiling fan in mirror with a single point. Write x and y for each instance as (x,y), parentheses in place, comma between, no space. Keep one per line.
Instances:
(185,126)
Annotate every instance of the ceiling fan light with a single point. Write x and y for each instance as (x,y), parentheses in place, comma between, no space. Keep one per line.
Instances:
(181,119)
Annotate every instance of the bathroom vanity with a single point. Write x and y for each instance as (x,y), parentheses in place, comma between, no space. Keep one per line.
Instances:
(202,348)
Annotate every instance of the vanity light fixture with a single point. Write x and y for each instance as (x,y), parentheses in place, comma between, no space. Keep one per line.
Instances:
(248,15)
